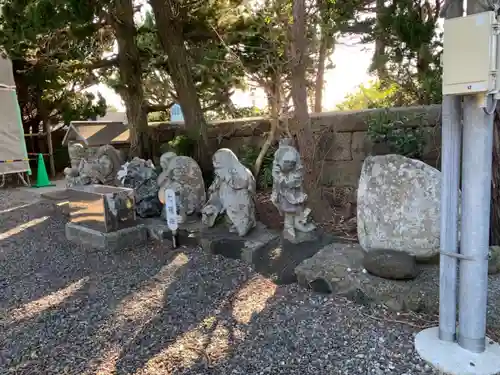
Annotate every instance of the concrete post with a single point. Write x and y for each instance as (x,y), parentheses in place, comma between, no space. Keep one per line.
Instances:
(451,135)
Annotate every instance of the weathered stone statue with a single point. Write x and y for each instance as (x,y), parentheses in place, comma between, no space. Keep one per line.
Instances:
(102,170)
(107,164)
(140,175)
(72,174)
(183,175)
(76,153)
(288,194)
(232,193)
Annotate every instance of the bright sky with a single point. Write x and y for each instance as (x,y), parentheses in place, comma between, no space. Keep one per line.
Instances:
(351,64)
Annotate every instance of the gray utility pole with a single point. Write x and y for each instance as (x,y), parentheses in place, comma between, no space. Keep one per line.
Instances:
(473,77)
(451,140)
(475,226)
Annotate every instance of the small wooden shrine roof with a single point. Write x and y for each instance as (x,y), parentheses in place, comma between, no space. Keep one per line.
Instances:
(97,133)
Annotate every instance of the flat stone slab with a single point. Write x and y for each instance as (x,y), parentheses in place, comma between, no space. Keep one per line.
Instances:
(279,260)
(264,249)
(338,269)
(218,240)
(56,195)
(120,240)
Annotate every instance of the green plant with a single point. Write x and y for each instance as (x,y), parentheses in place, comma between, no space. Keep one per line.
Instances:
(181,145)
(406,141)
(248,155)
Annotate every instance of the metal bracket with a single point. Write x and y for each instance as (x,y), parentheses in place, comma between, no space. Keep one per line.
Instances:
(458,256)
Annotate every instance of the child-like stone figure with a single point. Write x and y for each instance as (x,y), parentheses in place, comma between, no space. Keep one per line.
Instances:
(288,193)
(232,193)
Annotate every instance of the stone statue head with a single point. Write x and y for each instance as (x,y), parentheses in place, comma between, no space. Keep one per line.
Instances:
(105,165)
(108,162)
(225,162)
(224,158)
(286,142)
(209,215)
(287,158)
(76,153)
(165,159)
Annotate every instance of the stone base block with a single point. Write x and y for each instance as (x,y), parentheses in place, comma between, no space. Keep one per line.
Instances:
(265,250)
(218,240)
(119,240)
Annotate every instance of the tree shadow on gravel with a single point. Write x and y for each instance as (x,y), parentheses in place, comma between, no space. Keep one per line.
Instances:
(35,258)
(194,305)
(59,301)
(68,335)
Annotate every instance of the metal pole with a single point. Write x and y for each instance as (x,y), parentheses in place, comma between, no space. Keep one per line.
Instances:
(474,239)
(476,196)
(451,138)
(450,167)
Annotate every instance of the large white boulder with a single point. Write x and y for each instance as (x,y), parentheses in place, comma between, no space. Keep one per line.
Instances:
(399,205)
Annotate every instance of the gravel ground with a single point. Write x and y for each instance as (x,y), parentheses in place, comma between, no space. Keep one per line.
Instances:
(66,309)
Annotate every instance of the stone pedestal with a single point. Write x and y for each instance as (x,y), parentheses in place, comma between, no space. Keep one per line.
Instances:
(119,240)
(265,250)
(218,240)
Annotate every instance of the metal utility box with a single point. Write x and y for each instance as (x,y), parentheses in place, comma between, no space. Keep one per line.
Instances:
(470,54)
(101,207)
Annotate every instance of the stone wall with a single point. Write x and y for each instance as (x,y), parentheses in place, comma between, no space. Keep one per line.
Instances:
(342,136)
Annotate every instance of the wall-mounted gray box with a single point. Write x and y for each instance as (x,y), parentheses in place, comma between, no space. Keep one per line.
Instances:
(101,207)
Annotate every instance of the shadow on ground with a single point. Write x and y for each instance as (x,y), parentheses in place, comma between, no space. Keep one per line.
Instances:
(66,309)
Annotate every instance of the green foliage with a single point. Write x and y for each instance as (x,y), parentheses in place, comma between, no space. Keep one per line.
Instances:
(158,117)
(406,141)
(411,46)
(181,145)
(215,74)
(250,112)
(374,95)
(51,45)
(248,155)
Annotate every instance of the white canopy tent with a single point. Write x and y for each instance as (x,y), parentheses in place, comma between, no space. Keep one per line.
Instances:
(13,152)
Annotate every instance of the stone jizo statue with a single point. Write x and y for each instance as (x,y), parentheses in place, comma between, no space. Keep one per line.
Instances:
(73,174)
(232,193)
(183,175)
(288,193)
(102,170)
(108,163)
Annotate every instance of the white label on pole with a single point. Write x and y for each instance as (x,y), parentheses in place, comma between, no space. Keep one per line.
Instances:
(171,209)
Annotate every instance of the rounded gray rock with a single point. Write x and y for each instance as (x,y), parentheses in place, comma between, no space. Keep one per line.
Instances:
(391,264)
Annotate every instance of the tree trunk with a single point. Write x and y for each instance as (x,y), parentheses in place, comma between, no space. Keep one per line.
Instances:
(274,99)
(44,117)
(169,25)
(379,58)
(129,64)
(324,46)
(302,123)
(495,184)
